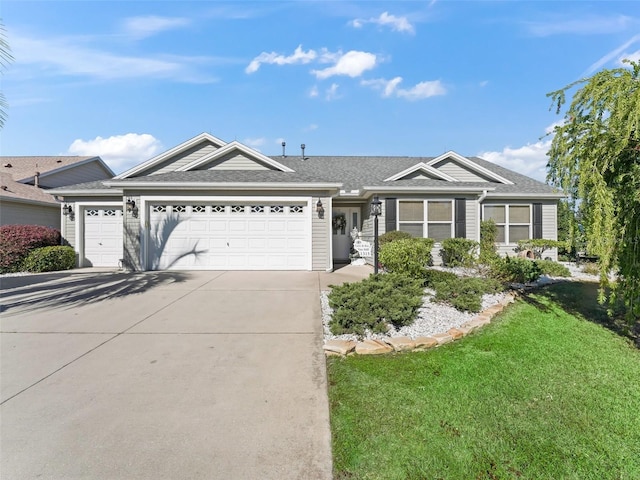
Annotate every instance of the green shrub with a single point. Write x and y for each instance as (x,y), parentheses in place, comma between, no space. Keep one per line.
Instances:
(374,303)
(553,269)
(432,277)
(591,268)
(49,259)
(459,252)
(538,246)
(16,241)
(407,256)
(488,237)
(464,293)
(514,270)
(392,236)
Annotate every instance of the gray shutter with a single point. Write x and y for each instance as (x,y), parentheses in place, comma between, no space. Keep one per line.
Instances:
(390,216)
(461,218)
(537,220)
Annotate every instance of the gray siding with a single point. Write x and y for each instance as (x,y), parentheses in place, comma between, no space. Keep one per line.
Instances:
(132,234)
(179,160)
(88,172)
(17,213)
(69,232)
(459,172)
(321,237)
(234,161)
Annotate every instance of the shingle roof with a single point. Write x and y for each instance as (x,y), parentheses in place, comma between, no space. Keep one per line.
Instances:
(22,168)
(350,172)
(19,191)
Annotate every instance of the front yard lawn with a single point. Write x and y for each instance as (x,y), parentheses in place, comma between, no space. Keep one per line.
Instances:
(544,392)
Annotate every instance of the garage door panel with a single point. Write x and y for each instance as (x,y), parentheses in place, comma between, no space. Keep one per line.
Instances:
(239,237)
(103,245)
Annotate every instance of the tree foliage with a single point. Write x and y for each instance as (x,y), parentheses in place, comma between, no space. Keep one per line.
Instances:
(595,158)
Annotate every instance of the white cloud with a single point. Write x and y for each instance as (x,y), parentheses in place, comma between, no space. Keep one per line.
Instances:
(298,56)
(484,83)
(313,92)
(633,56)
(423,90)
(147,26)
(530,159)
(67,56)
(397,24)
(581,26)
(418,92)
(310,128)
(613,54)
(352,64)
(254,142)
(332,92)
(120,152)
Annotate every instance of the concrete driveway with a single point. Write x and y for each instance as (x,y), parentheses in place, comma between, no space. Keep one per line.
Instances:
(163,375)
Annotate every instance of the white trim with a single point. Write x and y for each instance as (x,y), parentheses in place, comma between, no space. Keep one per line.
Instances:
(223,185)
(78,211)
(112,192)
(169,153)
(372,190)
(229,147)
(470,164)
(146,199)
(525,196)
(423,167)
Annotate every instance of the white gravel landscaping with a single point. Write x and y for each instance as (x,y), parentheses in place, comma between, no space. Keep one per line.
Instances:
(437,317)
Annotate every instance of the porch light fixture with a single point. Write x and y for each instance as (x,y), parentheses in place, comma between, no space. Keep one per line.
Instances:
(320,209)
(376,210)
(67,211)
(132,208)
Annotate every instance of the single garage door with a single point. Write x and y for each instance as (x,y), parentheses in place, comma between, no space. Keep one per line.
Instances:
(229,236)
(102,236)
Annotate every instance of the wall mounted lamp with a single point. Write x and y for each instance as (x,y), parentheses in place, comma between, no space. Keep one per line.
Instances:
(320,209)
(132,208)
(67,211)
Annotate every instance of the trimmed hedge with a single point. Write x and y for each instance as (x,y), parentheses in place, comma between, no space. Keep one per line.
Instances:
(514,270)
(407,256)
(49,259)
(392,236)
(16,241)
(459,252)
(553,269)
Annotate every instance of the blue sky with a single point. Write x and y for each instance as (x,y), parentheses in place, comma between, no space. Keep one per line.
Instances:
(128,80)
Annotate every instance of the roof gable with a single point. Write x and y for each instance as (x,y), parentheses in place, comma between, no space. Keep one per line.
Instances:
(172,159)
(464,169)
(234,156)
(421,170)
(24,169)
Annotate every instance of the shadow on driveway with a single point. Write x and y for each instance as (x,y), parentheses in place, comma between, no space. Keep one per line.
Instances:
(65,290)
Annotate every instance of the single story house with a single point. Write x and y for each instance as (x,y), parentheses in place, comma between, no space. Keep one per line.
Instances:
(25,182)
(211,205)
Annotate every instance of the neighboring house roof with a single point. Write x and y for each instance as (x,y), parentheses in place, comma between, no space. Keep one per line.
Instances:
(12,191)
(18,175)
(23,169)
(347,176)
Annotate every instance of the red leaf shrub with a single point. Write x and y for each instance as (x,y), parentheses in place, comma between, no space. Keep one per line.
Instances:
(16,241)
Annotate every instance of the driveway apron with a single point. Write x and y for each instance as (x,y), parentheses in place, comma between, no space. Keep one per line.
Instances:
(163,375)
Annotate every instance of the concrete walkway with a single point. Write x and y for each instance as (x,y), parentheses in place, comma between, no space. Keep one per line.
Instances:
(164,375)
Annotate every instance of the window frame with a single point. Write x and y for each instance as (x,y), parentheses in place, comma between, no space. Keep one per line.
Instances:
(507,220)
(425,215)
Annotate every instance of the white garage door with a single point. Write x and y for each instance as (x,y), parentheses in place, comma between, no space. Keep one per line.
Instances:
(102,236)
(229,236)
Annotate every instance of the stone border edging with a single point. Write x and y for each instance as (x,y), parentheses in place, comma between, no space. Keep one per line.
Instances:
(405,344)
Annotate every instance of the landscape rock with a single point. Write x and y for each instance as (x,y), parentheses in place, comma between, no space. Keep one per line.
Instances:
(341,347)
(456,333)
(442,338)
(372,347)
(424,343)
(401,344)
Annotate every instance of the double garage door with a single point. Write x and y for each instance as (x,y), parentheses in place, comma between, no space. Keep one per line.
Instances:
(229,236)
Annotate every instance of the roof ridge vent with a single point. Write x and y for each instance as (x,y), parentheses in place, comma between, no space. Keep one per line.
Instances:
(303,146)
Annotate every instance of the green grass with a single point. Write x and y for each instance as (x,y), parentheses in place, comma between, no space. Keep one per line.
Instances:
(544,392)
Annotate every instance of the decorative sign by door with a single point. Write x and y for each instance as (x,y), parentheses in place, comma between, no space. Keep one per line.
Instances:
(362,247)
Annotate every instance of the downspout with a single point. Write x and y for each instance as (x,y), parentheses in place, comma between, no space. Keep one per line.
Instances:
(480,200)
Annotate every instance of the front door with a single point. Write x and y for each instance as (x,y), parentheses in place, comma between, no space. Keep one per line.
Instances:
(343,222)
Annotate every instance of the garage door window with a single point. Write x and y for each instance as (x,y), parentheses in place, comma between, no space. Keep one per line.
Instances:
(91,212)
(276,209)
(297,209)
(237,208)
(198,209)
(159,208)
(179,209)
(218,208)
(257,209)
